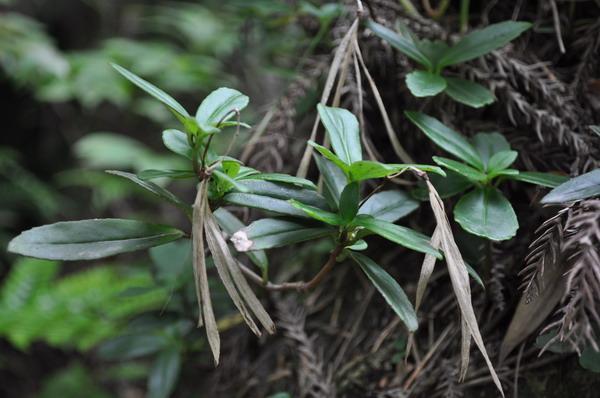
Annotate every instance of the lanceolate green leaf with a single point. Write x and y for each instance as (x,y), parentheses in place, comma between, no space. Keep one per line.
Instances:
(461,168)
(283,178)
(425,84)
(284,191)
(580,187)
(219,106)
(269,233)
(468,93)
(177,142)
(164,373)
(318,214)
(446,138)
(367,169)
(334,179)
(267,203)
(91,239)
(405,44)
(175,174)
(389,206)
(401,235)
(153,91)
(389,289)
(342,129)
(486,212)
(544,179)
(155,189)
(483,41)
(349,202)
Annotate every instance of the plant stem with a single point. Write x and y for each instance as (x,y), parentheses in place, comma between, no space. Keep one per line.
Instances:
(464,15)
(300,285)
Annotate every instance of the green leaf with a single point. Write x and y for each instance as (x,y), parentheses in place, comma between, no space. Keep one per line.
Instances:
(368,169)
(269,233)
(284,191)
(446,187)
(263,202)
(342,129)
(349,202)
(461,168)
(425,84)
(335,181)
(359,245)
(403,43)
(318,214)
(468,93)
(544,179)
(590,360)
(153,91)
(389,206)
(389,289)
(155,189)
(401,235)
(446,138)
(501,160)
(580,187)
(486,212)
(218,107)
(475,276)
(177,142)
(327,154)
(483,41)
(174,174)
(433,50)
(283,178)
(231,224)
(91,239)
(488,144)
(163,375)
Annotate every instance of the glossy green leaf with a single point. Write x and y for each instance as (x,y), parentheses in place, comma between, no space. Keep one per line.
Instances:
(488,144)
(164,373)
(342,128)
(155,189)
(580,187)
(317,213)
(219,107)
(425,84)
(446,138)
(389,206)
(434,50)
(177,142)
(461,168)
(153,91)
(334,179)
(401,235)
(332,157)
(262,202)
(174,174)
(403,43)
(283,178)
(483,41)
(91,239)
(475,276)
(389,289)
(349,201)
(268,233)
(446,187)
(469,93)
(501,160)
(231,224)
(544,179)
(359,245)
(486,212)
(284,191)
(367,169)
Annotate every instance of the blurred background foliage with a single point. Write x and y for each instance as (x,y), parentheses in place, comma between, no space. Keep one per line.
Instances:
(123,328)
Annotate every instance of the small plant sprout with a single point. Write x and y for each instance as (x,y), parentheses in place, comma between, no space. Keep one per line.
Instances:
(435,56)
(485,162)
